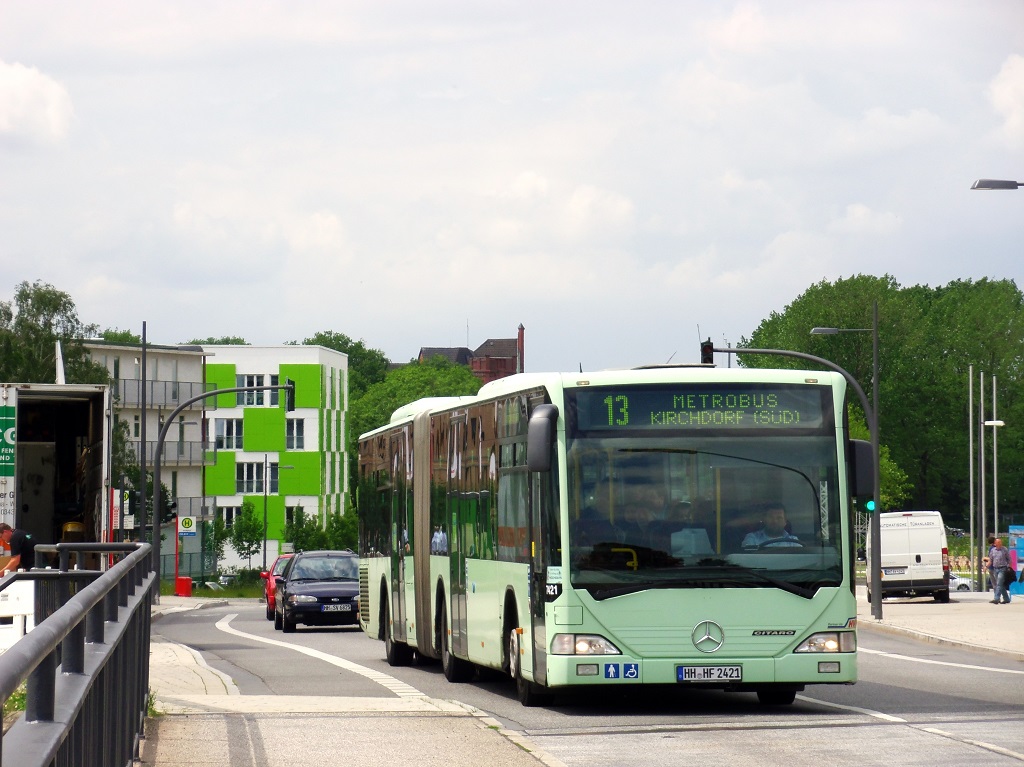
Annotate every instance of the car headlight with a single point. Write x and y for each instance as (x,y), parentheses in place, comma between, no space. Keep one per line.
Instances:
(829,641)
(295,599)
(582,644)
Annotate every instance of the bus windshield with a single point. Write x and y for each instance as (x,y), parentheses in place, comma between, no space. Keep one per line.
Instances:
(710,507)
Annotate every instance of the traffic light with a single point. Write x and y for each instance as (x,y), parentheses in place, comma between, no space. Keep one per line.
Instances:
(289,395)
(869,505)
(707,352)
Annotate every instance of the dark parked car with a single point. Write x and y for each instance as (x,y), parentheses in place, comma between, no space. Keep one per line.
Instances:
(318,588)
(270,587)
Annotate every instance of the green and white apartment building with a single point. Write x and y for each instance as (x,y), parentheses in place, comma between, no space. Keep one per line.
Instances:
(282,462)
(239,447)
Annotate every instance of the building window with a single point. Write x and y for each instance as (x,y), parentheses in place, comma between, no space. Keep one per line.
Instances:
(295,434)
(228,514)
(291,513)
(228,433)
(136,427)
(249,397)
(249,477)
(274,380)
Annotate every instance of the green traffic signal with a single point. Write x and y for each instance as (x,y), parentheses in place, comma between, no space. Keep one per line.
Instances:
(870,505)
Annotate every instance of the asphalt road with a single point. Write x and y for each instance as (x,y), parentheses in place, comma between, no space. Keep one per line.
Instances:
(915,703)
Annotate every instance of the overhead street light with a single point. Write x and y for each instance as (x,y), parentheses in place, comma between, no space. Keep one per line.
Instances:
(987,184)
(875,576)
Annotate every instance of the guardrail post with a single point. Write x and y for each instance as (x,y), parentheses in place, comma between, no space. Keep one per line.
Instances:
(72,651)
(41,691)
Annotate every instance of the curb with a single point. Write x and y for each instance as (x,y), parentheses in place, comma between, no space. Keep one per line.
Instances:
(886,628)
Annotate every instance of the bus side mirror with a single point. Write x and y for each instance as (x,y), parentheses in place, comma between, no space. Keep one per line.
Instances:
(540,438)
(862,464)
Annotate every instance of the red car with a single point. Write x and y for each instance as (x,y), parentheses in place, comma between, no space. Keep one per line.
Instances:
(270,583)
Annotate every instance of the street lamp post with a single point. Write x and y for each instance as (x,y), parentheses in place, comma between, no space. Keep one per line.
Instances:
(988,184)
(869,411)
(266,484)
(995,465)
(875,576)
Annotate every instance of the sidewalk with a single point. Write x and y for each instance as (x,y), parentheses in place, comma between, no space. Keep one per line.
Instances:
(968,620)
(210,725)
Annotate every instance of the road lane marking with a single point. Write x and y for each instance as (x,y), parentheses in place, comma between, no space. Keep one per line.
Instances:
(398,687)
(856,709)
(967,666)
(979,743)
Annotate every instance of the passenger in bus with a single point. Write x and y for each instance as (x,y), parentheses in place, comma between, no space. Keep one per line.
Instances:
(439,542)
(678,517)
(634,525)
(592,528)
(773,531)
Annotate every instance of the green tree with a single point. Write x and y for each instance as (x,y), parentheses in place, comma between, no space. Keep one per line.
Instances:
(116,336)
(437,377)
(366,366)
(305,534)
(223,340)
(343,530)
(30,327)
(215,537)
(928,339)
(247,532)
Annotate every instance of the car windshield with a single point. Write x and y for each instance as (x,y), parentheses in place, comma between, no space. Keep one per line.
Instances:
(279,567)
(326,569)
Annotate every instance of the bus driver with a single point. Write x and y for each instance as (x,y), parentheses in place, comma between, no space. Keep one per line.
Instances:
(773,530)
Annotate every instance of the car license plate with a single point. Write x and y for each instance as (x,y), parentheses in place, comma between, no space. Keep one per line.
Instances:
(894,570)
(343,608)
(709,673)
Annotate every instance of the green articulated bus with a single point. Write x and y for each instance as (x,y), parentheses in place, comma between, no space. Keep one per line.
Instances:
(683,525)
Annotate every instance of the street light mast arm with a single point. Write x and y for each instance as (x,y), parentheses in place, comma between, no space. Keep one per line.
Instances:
(158,451)
(872,415)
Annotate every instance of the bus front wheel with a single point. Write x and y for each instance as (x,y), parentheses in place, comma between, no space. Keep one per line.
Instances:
(528,693)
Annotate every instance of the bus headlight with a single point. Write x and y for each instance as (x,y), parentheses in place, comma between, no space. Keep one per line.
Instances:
(582,644)
(829,641)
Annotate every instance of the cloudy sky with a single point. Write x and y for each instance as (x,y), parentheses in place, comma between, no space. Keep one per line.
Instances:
(621,178)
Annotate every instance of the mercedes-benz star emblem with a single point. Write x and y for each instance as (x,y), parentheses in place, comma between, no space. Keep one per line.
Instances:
(708,636)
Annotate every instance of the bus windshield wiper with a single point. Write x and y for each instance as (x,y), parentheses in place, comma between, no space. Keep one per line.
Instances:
(792,588)
(705,578)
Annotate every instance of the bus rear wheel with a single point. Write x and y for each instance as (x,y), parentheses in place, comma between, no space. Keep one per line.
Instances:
(455,669)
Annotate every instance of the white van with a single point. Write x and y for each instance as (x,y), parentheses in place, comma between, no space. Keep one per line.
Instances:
(915,556)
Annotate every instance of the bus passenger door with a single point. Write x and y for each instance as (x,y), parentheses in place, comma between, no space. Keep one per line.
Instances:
(457,537)
(542,539)
(399,536)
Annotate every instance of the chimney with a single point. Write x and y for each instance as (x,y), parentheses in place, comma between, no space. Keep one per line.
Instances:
(520,350)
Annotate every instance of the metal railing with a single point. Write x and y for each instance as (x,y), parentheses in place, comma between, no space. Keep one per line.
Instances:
(86,663)
(183,453)
(159,393)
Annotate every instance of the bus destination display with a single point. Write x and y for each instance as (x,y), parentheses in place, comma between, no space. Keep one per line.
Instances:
(703,407)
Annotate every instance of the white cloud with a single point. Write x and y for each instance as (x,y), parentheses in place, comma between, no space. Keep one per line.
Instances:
(860,219)
(590,212)
(1007,94)
(33,106)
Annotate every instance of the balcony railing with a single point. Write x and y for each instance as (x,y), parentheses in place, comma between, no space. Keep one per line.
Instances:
(187,453)
(128,392)
(194,506)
